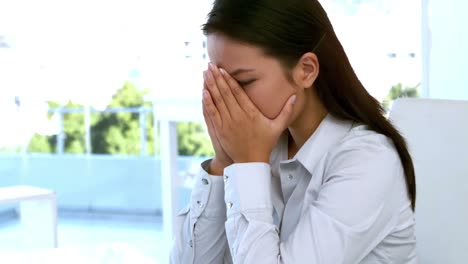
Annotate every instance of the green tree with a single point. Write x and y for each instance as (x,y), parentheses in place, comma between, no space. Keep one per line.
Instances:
(193,140)
(119,133)
(73,128)
(397,91)
(39,143)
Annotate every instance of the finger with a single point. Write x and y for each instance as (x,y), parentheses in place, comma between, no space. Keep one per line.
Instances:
(205,111)
(215,94)
(241,97)
(208,122)
(282,120)
(224,89)
(211,109)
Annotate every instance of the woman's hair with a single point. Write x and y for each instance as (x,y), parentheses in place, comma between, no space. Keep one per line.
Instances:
(286,30)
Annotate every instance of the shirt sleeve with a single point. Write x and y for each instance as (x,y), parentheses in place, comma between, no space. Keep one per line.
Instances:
(352,213)
(200,235)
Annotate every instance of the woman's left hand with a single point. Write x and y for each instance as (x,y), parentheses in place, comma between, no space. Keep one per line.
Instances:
(243,131)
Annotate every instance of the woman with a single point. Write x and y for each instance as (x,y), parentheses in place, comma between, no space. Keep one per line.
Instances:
(313,171)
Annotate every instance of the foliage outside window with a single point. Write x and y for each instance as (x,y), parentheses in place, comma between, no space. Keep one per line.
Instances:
(119,133)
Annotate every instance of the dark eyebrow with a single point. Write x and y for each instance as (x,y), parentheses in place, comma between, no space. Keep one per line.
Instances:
(239,71)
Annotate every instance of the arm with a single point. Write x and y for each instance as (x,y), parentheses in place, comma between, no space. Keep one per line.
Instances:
(200,236)
(351,215)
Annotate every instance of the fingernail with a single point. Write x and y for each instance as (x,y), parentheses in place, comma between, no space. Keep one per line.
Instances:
(293,99)
(223,72)
(205,93)
(213,67)
(209,76)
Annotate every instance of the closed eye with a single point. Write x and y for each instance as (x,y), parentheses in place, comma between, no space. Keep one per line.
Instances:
(245,83)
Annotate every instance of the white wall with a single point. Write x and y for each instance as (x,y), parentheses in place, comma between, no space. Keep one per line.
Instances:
(447,50)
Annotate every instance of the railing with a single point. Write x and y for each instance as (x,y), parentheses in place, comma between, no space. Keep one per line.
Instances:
(87,111)
(88,184)
(166,114)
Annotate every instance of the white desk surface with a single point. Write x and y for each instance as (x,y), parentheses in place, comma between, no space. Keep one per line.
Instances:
(21,193)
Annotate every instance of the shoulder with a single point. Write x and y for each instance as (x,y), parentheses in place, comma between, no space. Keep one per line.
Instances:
(366,152)
(362,172)
(361,140)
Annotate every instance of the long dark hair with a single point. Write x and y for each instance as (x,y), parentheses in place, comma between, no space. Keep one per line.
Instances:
(286,30)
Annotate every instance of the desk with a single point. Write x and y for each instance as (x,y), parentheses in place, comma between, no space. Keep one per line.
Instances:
(38,214)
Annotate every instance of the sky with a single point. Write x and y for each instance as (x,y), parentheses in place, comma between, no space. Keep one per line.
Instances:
(86,49)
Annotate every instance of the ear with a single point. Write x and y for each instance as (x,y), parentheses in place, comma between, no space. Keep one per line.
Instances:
(306,70)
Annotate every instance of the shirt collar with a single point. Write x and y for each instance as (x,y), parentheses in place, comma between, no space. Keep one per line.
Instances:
(329,133)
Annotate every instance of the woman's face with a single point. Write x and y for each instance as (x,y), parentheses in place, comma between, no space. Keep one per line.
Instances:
(262,77)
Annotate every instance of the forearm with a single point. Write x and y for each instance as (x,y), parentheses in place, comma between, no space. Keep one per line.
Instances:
(200,236)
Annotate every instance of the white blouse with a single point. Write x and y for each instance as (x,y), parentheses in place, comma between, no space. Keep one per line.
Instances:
(341,199)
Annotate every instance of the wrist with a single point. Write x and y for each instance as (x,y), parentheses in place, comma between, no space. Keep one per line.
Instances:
(216,167)
(252,159)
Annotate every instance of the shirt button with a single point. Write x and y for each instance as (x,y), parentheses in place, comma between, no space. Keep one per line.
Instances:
(229,205)
(226,177)
(191,243)
(200,204)
(205,181)
(290,177)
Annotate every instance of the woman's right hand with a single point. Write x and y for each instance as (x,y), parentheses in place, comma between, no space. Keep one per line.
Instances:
(221,160)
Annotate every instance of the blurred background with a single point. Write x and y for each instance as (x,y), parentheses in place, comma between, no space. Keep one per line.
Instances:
(82,82)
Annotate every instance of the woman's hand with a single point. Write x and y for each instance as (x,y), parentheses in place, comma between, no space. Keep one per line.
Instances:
(221,160)
(244,133)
